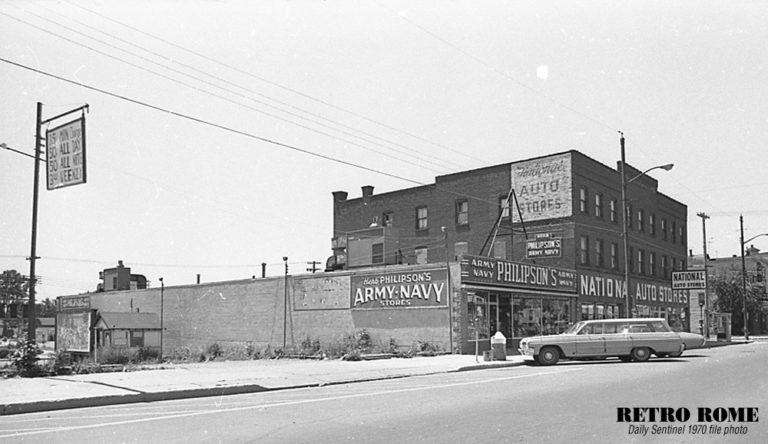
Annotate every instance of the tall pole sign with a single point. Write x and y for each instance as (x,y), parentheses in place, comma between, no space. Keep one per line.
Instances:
(65,148)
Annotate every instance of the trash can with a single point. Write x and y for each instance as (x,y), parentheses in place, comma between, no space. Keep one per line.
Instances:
(499,346)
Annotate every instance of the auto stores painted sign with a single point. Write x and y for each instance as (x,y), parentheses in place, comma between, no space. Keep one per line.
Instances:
(488,270)
(608,288)
(423,288)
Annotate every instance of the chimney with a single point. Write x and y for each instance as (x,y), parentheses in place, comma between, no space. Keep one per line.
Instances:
(367,190)
(339,196)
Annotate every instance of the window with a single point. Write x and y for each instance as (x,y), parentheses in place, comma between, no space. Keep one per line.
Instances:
(614,256)
(599,256)
(584,250)
(652,224)
(682,234)
(462,212)
(421,255)
(663,228)
(504,206)
(640,220)
(377,253)
(386,219)
(664,267)
(583,200)
(640,261)
(137,338)
(628,216)
(631,256)
(652,264)
(500,249)
(421,218)
(612,209)
(674,232)
(599,205)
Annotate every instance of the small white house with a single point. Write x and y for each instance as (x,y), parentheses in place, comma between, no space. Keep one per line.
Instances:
(127,330)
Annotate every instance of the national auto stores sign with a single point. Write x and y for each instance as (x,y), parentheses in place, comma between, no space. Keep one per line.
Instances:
(423,288)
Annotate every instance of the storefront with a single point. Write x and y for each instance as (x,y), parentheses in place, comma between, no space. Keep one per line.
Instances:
(516,299)
(602,296)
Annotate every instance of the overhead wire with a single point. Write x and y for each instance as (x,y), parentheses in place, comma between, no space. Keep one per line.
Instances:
(275,84)
(409,161)
(412,152)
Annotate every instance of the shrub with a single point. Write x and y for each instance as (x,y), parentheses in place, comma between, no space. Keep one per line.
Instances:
(110,355)
(24,359)
(213,351)
(146,354)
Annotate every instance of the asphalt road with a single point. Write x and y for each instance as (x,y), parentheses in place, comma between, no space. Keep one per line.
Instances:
(569,402)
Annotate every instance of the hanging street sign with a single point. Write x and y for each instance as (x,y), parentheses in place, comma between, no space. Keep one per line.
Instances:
(65,150)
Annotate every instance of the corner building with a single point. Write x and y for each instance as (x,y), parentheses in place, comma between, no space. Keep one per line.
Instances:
(539,244)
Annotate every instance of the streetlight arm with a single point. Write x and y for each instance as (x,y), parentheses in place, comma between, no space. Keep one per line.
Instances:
(666,167)
(753,238)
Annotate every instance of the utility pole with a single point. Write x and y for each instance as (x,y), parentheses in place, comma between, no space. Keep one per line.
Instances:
(314,265)
(744,278)
(704,218)
(31,327)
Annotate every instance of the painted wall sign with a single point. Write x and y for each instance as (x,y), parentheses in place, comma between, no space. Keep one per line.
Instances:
(609,288)
(326,293)
(65,148)
(543,188)
(74,303)
(544,245)
(424,288)
(488,270)
(689,280)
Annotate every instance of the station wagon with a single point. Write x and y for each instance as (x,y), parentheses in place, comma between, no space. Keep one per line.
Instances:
(628,339)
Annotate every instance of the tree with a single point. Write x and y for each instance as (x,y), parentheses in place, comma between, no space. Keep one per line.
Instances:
(13,290)
(729,299)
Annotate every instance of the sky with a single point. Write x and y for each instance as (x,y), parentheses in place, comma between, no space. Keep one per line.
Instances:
(216,131)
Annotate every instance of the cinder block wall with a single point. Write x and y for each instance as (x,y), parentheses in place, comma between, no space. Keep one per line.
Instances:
(237,313)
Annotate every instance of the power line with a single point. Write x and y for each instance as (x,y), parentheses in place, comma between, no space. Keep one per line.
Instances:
(243,88)
(213,94)
(275,84)
(208,123)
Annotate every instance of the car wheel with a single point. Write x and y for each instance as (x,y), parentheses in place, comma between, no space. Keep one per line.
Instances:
(548,356)
(625,358)
(678,354)
(641,354)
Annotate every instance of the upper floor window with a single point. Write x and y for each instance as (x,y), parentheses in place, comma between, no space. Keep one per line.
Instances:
(599,205)
(583,250)
(386,219)
(583,200)
(462,212)
(421,218)
(663,228)
(613,212)
(599,253)
(682,234)
(674,232)
(377,253)
(640,261)
(504,206)
(652,263)
(664,267)
(652,224)
(614,256)
(628,216)
(640,220)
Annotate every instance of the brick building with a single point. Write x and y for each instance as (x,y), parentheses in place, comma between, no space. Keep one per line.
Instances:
(561,210)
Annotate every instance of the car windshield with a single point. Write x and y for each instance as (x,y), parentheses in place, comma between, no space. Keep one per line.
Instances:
(574,328)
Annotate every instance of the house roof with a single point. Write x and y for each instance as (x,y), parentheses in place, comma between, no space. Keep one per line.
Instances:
(129,321)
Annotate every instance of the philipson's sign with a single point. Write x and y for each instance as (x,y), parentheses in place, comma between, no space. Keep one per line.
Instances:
(423,288)
(486,270)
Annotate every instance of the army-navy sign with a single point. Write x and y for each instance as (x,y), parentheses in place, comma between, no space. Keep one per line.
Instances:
(423,288)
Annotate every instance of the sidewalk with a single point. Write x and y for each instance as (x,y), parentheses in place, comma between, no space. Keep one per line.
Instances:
(179,381)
